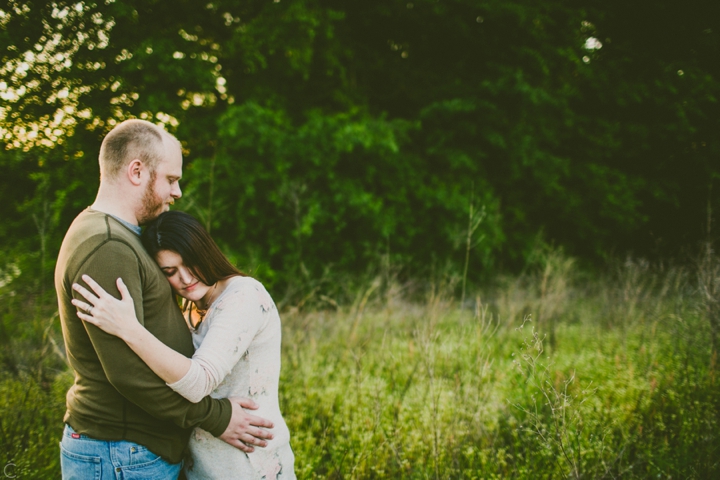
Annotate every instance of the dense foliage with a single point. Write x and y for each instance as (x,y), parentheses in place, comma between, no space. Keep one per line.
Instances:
(328,134)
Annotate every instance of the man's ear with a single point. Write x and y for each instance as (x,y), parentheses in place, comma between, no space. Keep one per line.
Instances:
(135,170)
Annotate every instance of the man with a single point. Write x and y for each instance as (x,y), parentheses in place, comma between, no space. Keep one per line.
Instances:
(123,421)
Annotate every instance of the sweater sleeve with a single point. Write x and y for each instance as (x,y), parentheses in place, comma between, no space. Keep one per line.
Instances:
(122,367)
(232,325)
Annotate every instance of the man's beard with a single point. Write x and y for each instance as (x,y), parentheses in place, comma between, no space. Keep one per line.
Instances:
(152,204)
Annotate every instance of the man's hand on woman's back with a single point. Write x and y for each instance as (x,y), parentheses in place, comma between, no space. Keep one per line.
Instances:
(244,429)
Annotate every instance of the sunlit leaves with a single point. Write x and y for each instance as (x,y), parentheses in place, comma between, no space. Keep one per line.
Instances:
(38,92)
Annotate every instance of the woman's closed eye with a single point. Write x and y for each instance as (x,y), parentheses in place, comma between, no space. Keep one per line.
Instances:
(169,272)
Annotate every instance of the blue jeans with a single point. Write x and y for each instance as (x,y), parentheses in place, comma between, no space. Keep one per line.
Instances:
(84,458)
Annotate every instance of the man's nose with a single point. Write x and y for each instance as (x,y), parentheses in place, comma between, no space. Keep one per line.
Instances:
(175,192)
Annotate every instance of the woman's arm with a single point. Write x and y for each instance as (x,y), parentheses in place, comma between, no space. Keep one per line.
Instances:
(117,317)
(243,310)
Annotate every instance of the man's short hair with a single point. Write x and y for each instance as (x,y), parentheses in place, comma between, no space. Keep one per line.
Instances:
(130,140)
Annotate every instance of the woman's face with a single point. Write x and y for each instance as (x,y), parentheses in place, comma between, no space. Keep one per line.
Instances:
(181,278)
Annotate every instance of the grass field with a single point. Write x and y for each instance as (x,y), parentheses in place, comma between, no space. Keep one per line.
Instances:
(551,374)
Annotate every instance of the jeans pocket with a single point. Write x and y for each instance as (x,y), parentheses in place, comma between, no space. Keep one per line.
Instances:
(75,466)
(139,463)
(139,455)
(154,470)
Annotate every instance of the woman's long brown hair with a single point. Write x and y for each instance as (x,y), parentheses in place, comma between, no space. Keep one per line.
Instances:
(184,235)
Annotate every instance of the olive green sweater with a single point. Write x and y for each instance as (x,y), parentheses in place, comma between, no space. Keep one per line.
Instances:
(115,395)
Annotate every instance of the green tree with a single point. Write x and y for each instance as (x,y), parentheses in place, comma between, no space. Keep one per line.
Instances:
(321,133)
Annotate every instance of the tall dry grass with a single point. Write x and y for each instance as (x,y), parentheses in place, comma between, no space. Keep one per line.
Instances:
(553,373)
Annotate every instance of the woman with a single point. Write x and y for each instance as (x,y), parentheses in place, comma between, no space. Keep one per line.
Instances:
(236,331)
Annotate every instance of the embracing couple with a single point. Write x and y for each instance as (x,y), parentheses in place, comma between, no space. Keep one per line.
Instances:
(161,390)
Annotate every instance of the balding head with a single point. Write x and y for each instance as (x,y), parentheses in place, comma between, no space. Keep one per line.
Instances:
(130,140)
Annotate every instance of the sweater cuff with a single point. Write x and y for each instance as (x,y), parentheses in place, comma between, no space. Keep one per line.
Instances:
(218,423)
